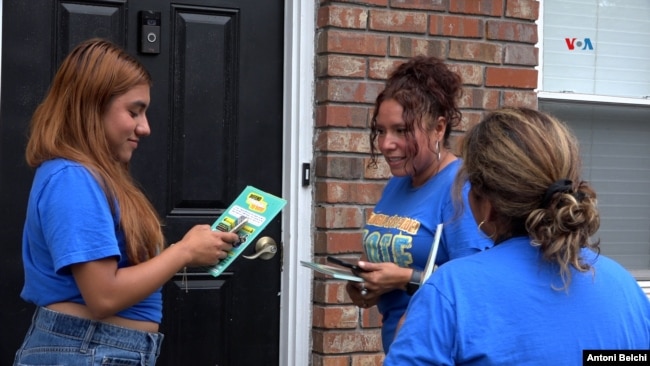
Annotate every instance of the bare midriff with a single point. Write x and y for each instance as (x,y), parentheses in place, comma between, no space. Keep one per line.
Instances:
(82,311)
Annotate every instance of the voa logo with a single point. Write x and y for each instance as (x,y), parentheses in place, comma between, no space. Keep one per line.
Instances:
(580,44)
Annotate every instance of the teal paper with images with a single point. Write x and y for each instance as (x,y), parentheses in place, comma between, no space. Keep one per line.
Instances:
(259,208)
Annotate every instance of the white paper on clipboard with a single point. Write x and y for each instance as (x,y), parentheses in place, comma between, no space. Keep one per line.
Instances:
(431,262)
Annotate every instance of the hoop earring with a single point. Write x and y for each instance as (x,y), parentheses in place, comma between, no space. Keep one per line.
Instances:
(438,148)
(479,225)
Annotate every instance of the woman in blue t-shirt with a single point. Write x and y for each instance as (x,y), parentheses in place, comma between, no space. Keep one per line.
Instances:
(412,121)
(92,243)
(543,295)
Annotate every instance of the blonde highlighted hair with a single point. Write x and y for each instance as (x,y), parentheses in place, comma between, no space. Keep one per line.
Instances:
(514,158)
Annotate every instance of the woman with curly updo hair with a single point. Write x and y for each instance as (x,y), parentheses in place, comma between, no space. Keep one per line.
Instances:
(410,129)
(543,294)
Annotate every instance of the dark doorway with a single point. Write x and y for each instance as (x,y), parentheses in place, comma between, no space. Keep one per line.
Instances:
(216,121)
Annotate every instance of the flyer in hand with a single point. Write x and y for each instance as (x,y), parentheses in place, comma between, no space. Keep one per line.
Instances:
(346,274)
(254,209)
(336,272)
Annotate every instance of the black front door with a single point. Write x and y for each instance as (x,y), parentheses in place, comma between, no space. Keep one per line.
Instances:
(216,121)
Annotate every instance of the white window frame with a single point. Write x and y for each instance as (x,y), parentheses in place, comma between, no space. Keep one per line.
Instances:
(643,276)
(571,96)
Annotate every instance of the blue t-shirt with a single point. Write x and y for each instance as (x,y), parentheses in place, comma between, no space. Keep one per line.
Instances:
(506,306)
(401,229)
(69,221)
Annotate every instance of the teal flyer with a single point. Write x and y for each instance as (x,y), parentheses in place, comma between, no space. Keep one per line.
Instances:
(254,206)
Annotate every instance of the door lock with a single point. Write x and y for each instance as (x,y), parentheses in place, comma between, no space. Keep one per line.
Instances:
(265,248)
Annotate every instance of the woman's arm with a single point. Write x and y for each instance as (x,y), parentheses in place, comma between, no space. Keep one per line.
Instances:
(107,289)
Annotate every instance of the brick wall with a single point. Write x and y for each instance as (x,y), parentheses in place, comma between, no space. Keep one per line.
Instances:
(490,43)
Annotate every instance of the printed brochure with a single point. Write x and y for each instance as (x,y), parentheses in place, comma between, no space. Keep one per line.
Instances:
(336,272)
(254,209)
(346,274)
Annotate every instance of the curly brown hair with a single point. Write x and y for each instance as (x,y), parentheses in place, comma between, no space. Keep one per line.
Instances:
(426,89)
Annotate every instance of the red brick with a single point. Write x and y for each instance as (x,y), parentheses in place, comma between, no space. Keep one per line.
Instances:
(346,341)
(330,360)
(456,26)
(479,98)
(342,16)
(342,141)
(339,90)
(475,51)
(348,192)
(480,7)
(511,77)
(376,359)
(522,9)
(382,171)
(520,54)
(341,65)
(370,318)
(520,99)
(332,242)
(470,118)
(342,116)
(436,5)
(398,21)
(362,2)
(512,31)
(380,68)
(335,317)
(471,74)
(338,217)
(355,43)
(409,47)
(331,292)
(343,167)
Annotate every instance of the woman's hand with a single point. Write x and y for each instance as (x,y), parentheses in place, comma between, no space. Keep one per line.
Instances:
(379,278)
(360,296)
(107,289)
(206,247)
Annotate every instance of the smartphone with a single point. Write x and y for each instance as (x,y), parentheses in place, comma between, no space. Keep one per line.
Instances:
(240,224)
(346,264)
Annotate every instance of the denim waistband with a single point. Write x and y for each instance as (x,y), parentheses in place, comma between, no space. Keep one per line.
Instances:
(93,331)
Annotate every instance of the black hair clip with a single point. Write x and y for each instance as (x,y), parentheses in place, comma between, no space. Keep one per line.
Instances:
(561,185)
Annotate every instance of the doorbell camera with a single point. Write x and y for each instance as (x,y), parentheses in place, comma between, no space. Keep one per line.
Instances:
(150,32)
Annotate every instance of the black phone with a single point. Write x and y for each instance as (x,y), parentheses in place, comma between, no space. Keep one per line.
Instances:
(346,264)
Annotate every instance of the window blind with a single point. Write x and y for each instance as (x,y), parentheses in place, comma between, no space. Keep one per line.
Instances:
(599,47)
(616,162)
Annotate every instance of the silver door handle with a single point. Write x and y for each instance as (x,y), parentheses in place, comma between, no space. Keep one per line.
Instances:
(265,248)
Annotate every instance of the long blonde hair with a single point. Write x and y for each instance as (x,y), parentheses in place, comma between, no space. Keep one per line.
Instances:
(68,124)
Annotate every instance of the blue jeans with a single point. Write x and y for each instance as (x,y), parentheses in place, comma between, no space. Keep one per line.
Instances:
(59,339)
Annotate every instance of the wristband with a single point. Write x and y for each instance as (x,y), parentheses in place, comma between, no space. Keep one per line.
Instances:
(414,282)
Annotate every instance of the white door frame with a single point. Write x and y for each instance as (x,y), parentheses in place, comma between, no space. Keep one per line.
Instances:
(295,312)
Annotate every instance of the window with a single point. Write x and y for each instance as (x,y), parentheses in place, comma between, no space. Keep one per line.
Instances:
(615,149)
(597,47)
(595,76)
